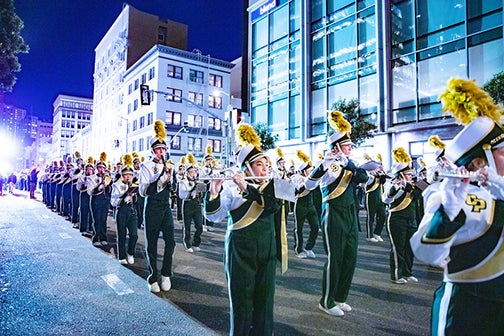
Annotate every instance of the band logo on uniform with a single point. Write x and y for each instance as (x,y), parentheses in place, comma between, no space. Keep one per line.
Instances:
(334,167)
(477,204)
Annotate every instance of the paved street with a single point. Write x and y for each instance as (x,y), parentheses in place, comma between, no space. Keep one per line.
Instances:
(34,237)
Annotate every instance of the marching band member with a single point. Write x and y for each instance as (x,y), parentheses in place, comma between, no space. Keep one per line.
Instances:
(155,179)
(338,178)
(66,191)
(304,209)
(402,198)
(86,219)
(58,189)
(281,215)
(375,208)
(208,169)
(137,161)
(191,192)
(99,190)
(124,199)
(75,193)
(250,249)
(463,227)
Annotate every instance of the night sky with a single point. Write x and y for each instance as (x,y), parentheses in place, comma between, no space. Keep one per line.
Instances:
(62,36)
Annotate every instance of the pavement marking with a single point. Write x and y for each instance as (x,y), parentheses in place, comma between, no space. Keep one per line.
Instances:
(116,284)
(65,235)
(45,216)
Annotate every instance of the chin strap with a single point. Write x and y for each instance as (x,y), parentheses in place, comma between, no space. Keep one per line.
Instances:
(489,156)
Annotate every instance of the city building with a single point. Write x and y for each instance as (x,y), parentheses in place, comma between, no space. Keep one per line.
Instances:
(189,92)
(131,35)
(394,56)
(70,115)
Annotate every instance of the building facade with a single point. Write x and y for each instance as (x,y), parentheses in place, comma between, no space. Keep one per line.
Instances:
(189,92)
(131,35)
(394,56)
(70,115)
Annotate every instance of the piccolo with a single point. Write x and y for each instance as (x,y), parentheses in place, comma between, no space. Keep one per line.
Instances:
(472,176)
(246,178)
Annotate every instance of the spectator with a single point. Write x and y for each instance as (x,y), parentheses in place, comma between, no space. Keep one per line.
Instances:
(32,178)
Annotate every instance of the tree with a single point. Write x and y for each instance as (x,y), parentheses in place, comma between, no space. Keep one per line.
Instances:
(11,43)
(495,87)
(267,139)
(361,129)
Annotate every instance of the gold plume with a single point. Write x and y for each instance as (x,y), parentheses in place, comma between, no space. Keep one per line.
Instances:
(134,155)
(366,157)
(338,122)
(435,142)
(143,159)
(128,160)
(190,159)
(77,155)
(108,165)
(400,155)
(466,101)
(279,152)
(302,156)
(183,160)
(90,160)
(379,157)
(209,150)
(103,157)
(246,135)
(421,162)
(159,129)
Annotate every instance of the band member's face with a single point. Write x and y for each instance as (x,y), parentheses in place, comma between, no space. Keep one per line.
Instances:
(307,171)
(260,167)
(408,176)
(192,173)
(498,155)
(346,149)
(281,164)
(100,169)
(136,165)
(181,170)
(127,178)
(89,171)
(159,152)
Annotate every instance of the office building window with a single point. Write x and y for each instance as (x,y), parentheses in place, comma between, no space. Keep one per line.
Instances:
(130,88)
(215,80)
(214,123)
(135,105)
(174,95)
(135,125)
(196,76)
(152,73)
(137,84)
(173,118)
(174,71)
(196,98)
(140,144)
(150,118)
(216,145)
(174,142)
(133,145)
(195,120)
(142,122)
(194,144)
(144,78)
(215,102)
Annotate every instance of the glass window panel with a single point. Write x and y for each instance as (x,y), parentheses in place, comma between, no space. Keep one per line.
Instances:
(337,5)
(317,10)
(433,74)
(260,114)
(319,112)
(443,36)
(318,57)
(402,23)
(279,24)
(403,83)
(260,34)
(477,8)
(295,117)
(442,49)
(295,65)
(433,15)
(279,71)
(259,83)
(404,115)
(295,15)
(485,37)
(485,60)
(346,90)
(361,4)
(279,118)
(485,22)
(366,29)
(340,78)
(368,97)
(430,111)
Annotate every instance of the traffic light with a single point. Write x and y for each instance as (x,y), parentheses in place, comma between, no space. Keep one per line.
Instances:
(144,94)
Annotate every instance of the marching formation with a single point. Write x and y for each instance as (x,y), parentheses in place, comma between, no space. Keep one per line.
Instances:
(448,214)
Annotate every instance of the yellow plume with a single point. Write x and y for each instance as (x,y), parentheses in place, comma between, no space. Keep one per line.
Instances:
(77,155)
(190,159)
(292,162)
(366,157)
(400,155)
(159,129)
(421,162)
(143,159)
(108,165)
(246,135)
(134,155)
(183,160)
(103,156)
(302,156)
(128,160)
(435,142)
(467,101)
(279,152)
(379,157)
(90,160)
(209,150)
(338,122)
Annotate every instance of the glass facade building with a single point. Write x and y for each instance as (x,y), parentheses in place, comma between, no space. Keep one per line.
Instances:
(394,56)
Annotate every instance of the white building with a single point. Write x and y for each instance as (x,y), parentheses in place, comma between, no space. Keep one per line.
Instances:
(186,87)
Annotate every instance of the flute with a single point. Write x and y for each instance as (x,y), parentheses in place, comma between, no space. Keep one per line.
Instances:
(247,178)
(472,176)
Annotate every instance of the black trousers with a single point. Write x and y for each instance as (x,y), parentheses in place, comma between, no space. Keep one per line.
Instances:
(86,220)
(99,210)
(75,204)
(126,220)
(192,213)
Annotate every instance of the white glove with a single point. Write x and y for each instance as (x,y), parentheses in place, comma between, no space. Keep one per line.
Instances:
(127,199)
(494,183)
(453,194)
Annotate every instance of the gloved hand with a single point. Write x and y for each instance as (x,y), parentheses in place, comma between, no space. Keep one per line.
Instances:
(494,183)
(453,194)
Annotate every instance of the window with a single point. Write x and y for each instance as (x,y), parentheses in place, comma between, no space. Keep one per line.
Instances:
(142,122)
(216,145)
(152,73)
(194,120)
(144,78)
(215,102)
(174,71)
(194,144)
(141,144)
(174,142)
(150,118)
(214,123)
(196,98)
(135,105)
(196,76)
(133,145)
(129,108)
(174,95)
(136,84)
(215,80)
(134,125)
(173,118)
(130,88)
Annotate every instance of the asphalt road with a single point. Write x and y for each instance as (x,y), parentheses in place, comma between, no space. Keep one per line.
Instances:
(37,241)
